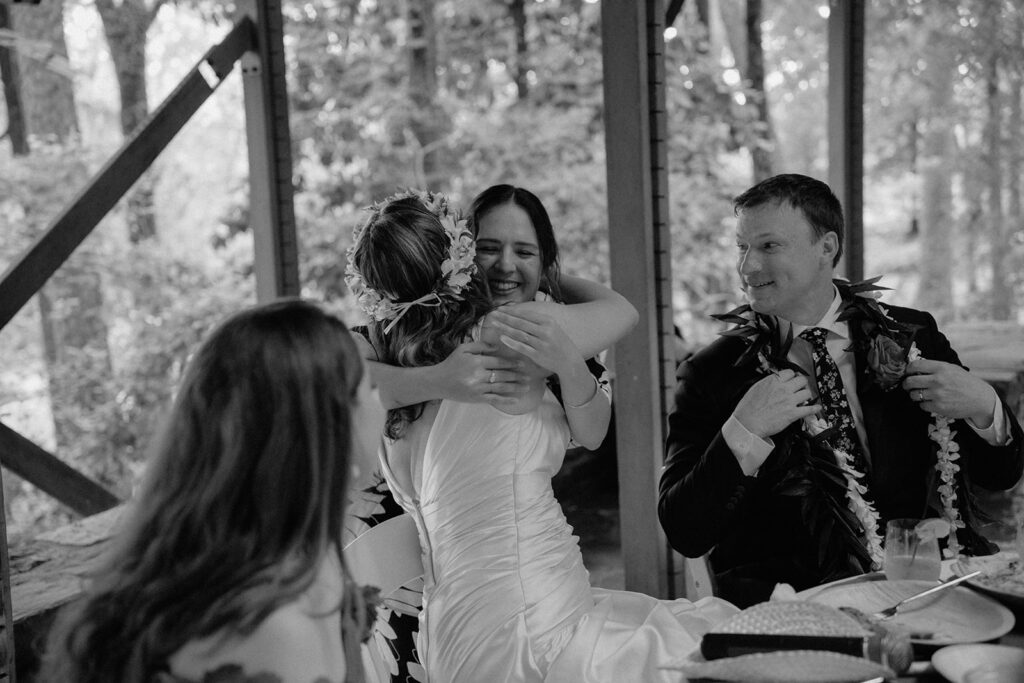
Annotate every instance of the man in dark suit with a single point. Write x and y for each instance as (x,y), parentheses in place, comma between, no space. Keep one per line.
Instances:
(742,479)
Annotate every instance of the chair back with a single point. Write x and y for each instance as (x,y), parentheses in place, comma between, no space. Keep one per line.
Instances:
(693,577)
(386,555)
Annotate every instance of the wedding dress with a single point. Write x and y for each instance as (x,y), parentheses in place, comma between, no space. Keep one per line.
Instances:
(506,595)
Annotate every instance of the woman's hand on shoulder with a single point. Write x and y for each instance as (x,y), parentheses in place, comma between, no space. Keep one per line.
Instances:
(598,318)
(526,329)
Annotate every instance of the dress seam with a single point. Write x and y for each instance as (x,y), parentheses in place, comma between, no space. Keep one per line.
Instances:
(518,559)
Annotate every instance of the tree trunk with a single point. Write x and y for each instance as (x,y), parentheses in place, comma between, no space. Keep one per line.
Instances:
(935,292)
(764,143)
(9,74)
(914,145)
(125,25)
(733,13)
(71,304)
(1013,171)
(48,98)
(1000,295)
(517,8)
(427,121)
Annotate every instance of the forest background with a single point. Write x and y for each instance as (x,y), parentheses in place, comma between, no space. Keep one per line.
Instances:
(456,95)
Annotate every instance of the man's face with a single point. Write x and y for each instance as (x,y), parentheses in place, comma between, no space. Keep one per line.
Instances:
(784,269)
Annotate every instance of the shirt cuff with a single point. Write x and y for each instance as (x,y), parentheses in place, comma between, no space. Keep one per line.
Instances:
(750,450)
(995,434)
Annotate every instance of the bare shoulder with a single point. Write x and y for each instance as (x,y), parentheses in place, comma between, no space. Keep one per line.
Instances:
(231,673)
(290,645)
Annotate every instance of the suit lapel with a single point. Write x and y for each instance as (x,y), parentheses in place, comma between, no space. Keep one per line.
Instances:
(869,395)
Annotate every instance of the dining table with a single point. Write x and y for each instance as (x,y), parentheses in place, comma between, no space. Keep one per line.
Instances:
(996,613)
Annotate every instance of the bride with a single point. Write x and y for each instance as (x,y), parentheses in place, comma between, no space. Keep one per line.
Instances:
(506,595)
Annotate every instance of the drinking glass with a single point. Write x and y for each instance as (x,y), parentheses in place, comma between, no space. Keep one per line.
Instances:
(906,555)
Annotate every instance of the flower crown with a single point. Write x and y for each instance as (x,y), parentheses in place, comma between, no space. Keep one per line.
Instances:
(456,269)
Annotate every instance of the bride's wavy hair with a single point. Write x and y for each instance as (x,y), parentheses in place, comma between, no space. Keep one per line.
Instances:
(243,498)
(399,254)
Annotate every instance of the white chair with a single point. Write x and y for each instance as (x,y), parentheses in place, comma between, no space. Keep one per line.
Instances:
(692,577)
(386,556)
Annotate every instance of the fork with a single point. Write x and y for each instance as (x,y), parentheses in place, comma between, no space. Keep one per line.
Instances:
(890,612)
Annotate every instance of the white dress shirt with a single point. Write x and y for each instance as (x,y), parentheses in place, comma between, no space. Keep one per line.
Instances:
(751,450)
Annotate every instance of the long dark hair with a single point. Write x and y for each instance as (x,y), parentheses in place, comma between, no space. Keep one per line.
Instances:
(399,254)
(499,195)
(243,498)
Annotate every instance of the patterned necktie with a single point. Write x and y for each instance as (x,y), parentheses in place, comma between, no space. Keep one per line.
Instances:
(834,404)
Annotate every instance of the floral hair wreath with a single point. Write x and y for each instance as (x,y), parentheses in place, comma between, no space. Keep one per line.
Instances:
(456,269)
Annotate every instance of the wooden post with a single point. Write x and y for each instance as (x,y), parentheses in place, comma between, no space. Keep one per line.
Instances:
(7,630)
(271,208)
(846,124)
(632,45)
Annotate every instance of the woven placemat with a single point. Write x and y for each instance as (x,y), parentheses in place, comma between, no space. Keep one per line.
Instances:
(793,618)
(789,666)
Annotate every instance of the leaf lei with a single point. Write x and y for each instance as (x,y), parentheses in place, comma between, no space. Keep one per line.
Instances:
(830,488)
(832,491)
(890,347)
(945,464)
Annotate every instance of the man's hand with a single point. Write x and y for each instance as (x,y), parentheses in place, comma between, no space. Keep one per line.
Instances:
(949,390)
(775,402)
(471,374)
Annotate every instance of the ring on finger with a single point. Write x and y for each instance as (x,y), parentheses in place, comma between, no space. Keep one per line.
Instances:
(490,380)
(920,395)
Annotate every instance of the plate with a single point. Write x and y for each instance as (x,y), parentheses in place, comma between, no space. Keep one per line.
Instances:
(955,661)
(1002,577)
(955,615)
(809,593)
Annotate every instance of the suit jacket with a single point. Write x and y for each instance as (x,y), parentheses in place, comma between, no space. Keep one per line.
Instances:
(756,536)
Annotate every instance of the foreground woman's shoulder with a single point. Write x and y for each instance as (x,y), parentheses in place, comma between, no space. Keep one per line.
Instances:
(293,644)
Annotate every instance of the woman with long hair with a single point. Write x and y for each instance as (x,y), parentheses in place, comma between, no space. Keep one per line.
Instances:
(506,595)
(228,563)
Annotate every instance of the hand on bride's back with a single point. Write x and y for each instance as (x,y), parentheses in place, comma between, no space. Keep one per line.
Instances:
(473,373)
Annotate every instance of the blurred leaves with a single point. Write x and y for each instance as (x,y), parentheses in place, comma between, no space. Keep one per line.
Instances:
(353,141)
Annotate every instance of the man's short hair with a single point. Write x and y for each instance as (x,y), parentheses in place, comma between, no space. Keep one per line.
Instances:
(813,198)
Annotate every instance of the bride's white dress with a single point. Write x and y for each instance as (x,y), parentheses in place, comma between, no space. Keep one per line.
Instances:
(506,595)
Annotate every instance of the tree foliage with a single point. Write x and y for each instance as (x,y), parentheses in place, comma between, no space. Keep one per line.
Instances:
(516,96)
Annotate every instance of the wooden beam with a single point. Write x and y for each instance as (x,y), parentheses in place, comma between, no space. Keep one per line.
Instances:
(846,124)
(271,206)
(674,7)
(45,471)
(23,279)
(632,43)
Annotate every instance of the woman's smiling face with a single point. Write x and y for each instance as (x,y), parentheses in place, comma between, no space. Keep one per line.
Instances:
(508,253)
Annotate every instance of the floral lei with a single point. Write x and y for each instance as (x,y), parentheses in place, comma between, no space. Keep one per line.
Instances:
(456,269)
(820,468)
